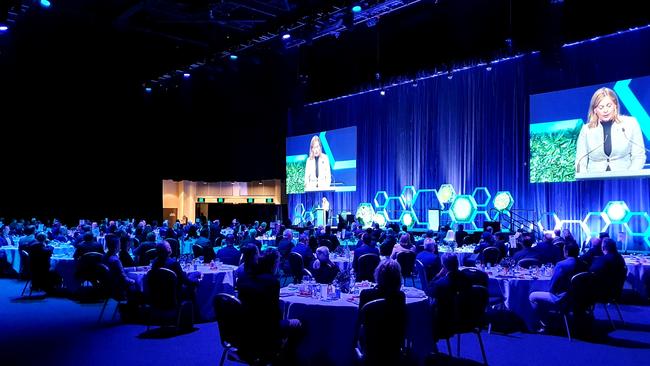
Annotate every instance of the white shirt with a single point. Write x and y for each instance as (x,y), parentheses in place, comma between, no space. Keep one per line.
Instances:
(324,179)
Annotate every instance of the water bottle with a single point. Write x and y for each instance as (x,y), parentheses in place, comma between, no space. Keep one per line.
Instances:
(352,278)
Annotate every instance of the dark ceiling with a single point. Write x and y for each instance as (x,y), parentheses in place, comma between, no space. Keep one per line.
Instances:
(80,68)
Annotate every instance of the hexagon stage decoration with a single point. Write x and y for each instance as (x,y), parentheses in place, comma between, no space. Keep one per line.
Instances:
(617,212)
(364,214)
(396,212)
(503,200)
(381,199)
(309,216)
(598,216)
(299,211)
(643,217)
(419,195)
(483,201)
(380,218)
(446,193)
(407,218)
(556,221)
(583,227)
(463,209)
(408,196)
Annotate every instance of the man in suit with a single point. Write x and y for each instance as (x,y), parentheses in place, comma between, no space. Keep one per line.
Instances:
(443,289)
(528,251)
(303,249)
(543,301)
(259,294)
(610,267)
(228,254)
(251,239)
(88,245)
(185,284)
(548,253)
(594,251)
(368,247)
(460,235)
(430,258)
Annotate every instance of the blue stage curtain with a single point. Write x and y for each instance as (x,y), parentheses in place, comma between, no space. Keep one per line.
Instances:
(472,130)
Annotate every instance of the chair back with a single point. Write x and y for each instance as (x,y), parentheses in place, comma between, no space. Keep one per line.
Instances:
(176,247)
(229,314)
(150,255)
(406,261)
(582,292)
(197,250)
(25,265)
(491,255)
(87,266)
(470,306)
(327,243)
(476,276)
(296,266)
(161,289)
(108,285)
(326,273)
(422,274)
(367,265)
(382,332)
(529,262)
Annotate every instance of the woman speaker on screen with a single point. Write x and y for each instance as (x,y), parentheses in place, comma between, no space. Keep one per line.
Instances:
(317,170)
(609,141)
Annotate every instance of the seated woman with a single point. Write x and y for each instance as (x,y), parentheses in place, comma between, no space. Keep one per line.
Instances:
(388,276)
(323,270)
(404,245)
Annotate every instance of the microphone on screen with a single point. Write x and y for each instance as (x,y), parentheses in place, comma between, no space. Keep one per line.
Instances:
(630,140)
(589,152)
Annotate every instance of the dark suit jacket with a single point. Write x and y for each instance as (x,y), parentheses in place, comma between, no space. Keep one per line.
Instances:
(431,262)
(119,282)
(364,249)
(175,267)
(367,295)
(609,269)
(564,270)
(260,298)
(591,254)
(306,253)
(326,272)
(88,247)
(548,253)
(443,291)
(460,237)
(229,255)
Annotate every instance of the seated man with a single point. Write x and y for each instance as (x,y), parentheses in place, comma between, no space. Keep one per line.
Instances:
(443,289)
(185,283)
(303,249)
(430,258)
(259,294)
(543,301)
(610,267)
(323,270)
(228,254)
(88,245)
(367,247)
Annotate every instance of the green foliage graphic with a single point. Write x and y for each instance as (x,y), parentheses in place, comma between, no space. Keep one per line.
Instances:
(552,156)
(296,177)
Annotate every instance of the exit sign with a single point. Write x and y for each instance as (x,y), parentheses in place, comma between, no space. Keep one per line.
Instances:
(201,199)
(220,200)
(250,200)
(269,200)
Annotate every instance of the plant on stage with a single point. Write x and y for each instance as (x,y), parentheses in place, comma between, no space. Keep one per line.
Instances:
(296,177)
(552,156)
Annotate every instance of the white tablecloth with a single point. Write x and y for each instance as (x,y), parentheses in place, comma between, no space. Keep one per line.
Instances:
(331,325)
(13,257)
(638,274)
(212,282)
(66,267)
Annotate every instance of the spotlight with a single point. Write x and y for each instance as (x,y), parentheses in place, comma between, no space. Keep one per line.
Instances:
(450,75)
(186,75)
(233,57)
(382,92)
(147,89)
(414,83)
(356,8)
(3,28)
(45,3)
(488,67)
(286,36)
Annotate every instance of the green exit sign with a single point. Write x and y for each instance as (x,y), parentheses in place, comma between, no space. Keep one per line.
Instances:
(201,199)
(269,200)
(220,200)
(250,200)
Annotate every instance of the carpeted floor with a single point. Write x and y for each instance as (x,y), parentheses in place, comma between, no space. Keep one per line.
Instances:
(56,331)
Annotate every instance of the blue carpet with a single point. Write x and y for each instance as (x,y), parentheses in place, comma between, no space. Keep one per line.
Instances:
(56,331)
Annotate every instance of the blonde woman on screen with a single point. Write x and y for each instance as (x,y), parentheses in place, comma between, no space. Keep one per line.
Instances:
(609,141)
(317,169)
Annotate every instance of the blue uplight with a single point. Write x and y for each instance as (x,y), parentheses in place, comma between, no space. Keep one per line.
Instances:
(233,57)
(356,9)
(45,3)
(286,36)
(186,75)
(147,89)
(3,28)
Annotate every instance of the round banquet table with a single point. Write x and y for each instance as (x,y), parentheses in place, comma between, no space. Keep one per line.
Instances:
(638,274)
(211,283)
(330,326)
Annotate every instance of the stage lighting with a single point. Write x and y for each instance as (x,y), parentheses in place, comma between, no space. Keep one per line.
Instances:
(3,28)
(617,211)
(356,8)
(147,89)
(446,193)
(233,57)
(45,3)
(450,75)
(186,75)
(503,201)
(463,209)
(379,219)
(382,92)
(407,219)
(286,36)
